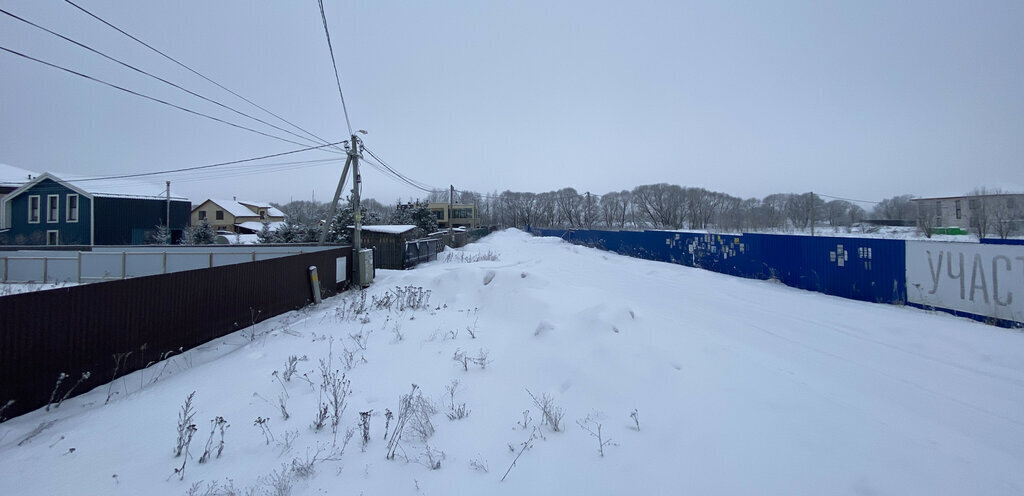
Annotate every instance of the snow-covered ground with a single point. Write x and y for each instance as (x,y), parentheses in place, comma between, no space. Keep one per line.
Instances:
(738,386)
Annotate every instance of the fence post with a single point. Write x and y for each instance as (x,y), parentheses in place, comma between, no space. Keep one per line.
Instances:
(211,259)
(124,264)
(79,266)
(45,260)
(165,261)
(5,269)
(254,254)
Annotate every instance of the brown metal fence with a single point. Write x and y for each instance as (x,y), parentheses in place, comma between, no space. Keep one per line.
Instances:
(87,328)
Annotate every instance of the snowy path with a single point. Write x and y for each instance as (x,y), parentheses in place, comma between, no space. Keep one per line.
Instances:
(741,387)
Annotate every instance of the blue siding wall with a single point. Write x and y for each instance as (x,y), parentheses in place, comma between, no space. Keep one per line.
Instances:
(871,270)
(126,221)
(24,232)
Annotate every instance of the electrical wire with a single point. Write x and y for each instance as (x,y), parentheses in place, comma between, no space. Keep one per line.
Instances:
(200,167)
(197,73)
(136,69)
(847,199)
(412,182)
(337,78)
(126,90)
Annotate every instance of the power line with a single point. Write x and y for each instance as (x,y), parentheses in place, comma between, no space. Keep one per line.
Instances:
(411,182)
(126,90)
(847,199)
(337,78)
(199,167)
(136,69)
(193,71)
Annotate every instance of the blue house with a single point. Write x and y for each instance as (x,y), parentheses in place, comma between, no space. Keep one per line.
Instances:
(48,210)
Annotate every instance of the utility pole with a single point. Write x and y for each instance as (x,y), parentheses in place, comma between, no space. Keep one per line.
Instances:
(451,201)
(811,207)
(334,203)
(357,239)
(168,218)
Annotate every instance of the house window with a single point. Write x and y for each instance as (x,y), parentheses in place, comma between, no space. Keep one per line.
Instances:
(973,203)
(938,209)
(72,208)
(220,215)
(52,238)
(202,215)
(263,214)
(52,208)
(958,213)
(33,209)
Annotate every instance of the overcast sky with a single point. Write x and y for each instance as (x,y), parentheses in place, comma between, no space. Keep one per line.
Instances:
(856,99)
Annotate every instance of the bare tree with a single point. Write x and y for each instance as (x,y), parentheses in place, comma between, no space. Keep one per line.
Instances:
(979,217)
(895,208)
(1006,215)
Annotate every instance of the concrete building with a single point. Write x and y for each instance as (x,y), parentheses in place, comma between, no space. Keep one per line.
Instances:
(989,214)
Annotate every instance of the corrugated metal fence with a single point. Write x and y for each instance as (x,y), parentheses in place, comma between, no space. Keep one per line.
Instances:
(865,269)
(86,328)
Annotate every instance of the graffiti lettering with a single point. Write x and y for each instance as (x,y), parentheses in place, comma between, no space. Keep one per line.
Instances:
(960,274)
(978,271)
(995,280)
(935,271)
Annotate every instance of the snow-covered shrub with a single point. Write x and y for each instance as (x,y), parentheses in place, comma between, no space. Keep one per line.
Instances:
(218,424)
(551,414)
(185,417)
(592,426)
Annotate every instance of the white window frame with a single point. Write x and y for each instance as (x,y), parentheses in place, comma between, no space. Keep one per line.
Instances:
(69,210)
(55,199)
(38,208)
(56,237)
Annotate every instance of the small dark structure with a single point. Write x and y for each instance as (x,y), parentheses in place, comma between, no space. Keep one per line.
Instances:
(401,247)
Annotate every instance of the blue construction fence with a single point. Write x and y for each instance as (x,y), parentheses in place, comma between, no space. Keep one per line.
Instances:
(865,269)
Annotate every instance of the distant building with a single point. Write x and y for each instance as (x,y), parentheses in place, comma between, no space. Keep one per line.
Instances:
(46,209)
(967,211)
(462,215)
(242,217)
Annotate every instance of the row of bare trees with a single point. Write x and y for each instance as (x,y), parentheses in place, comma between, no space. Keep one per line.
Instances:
(663,206)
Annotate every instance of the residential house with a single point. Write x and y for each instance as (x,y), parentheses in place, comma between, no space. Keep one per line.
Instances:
(65,210)
(242,217)
(455,215)
(1001,213)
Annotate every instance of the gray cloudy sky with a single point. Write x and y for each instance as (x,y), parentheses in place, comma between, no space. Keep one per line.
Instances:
(863,100)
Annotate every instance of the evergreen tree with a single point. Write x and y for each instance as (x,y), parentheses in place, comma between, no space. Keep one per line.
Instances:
(162,236)
(199,234)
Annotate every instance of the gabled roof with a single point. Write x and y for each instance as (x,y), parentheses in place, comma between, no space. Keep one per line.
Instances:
(271,211)
(240,208)
(86,186)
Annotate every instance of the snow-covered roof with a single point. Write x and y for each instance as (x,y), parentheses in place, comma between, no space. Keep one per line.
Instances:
(257,226)
(116,188)
(12,176)
(239,208)
(271,211)
(399,229)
